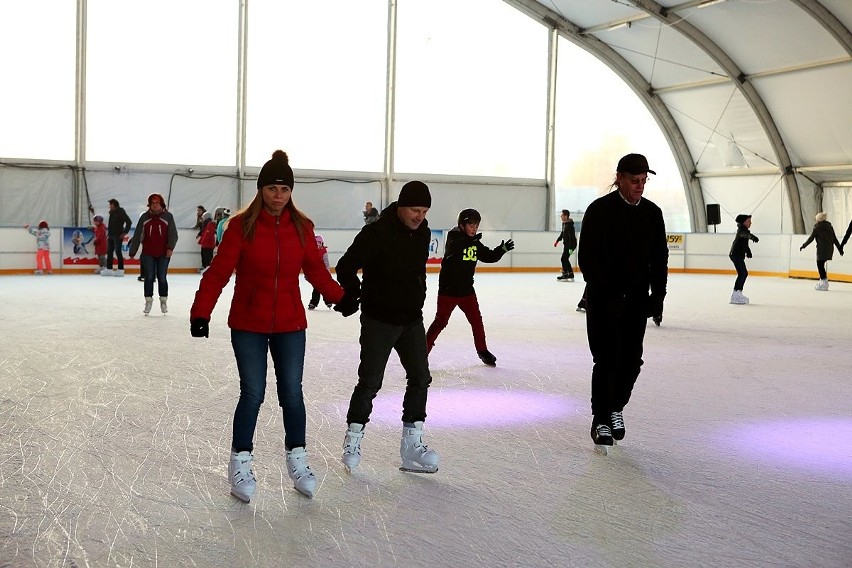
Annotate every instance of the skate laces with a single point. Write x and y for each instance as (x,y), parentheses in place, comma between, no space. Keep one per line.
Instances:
(603,430)
(242,469)
(352,442)
(617,421)
(298,465)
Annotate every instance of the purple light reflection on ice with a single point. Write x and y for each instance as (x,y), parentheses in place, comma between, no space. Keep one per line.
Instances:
(485,408)
(813,444)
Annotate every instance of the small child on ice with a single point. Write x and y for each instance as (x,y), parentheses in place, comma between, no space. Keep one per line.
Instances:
(42,235)
(315,295)
(739,252)
(455,282)
(99,229)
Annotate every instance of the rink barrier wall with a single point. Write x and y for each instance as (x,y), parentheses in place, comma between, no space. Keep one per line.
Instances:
(698,253)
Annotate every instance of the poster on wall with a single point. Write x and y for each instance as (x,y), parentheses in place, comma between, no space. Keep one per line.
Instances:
(436,247)
(78,247)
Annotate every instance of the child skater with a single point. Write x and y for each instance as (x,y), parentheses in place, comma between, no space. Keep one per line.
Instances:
(826,240)
(99,229)
(207,240)
(739,252)
(455,282)
(315,295)
(42,235)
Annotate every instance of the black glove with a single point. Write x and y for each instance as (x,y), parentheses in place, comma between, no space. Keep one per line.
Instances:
(507,245)
(347,306)
(755,239)
(802,247)
(199,327)
(748,254)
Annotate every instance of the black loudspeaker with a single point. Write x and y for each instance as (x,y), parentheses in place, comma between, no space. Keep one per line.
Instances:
(714,214)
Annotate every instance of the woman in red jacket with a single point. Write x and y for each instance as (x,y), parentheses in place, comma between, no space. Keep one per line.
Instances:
(267,244)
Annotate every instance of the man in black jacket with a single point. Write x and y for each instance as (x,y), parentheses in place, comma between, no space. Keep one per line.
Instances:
(117,228)
(623,254)
(391,254)
(568,236)
(455,284)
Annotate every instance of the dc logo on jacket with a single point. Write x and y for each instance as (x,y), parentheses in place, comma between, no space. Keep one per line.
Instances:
(469,254)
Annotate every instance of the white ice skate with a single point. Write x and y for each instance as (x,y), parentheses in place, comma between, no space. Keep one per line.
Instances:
(416,456)
(242,478)
(149,301)
(738,298)
(164,304)
(300,472)
(119,272)
(352,446)
(822,285)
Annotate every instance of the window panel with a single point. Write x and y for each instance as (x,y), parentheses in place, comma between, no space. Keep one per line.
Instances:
(161,81)
(39,74)
(471,89)
(316,84)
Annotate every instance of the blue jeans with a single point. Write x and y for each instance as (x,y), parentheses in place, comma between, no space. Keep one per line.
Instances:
(155,266)
(377,341)
(288,357)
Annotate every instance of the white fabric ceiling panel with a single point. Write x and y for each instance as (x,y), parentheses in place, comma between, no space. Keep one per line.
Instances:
(842,10)
(662,55)
(761,39)
(711,118)
(816,129)
(762,197)
(590,13)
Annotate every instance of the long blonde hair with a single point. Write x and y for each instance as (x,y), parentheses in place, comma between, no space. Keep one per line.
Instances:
(249,216)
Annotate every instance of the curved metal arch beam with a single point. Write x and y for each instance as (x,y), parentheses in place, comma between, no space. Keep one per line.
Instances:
(828,21)
(748,91)
(635,80)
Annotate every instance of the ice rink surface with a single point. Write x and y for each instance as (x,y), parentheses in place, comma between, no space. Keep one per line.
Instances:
(116,429)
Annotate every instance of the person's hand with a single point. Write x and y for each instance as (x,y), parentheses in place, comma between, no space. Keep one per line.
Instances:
(555,243)
(655,306)
(840,250)
(347,306)
(199,327)
(169,252)
(755,239)
(507,245)
(748,254)
(802,247)
(27,226)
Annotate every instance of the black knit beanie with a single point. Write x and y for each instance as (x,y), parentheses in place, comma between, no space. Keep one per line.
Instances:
(415,194)
(276,171)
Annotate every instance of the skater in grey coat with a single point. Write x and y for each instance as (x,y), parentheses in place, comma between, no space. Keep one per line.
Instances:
(826,240)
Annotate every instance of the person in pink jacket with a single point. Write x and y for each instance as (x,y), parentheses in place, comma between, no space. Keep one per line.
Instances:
(267,244)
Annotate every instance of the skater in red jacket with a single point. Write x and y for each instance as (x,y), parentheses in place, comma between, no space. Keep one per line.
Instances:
(267,244)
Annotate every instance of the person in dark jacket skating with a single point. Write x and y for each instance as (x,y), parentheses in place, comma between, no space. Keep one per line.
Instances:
(568,236)
(739,252)
(624,253)
(268,244)
(455,283)
(118,226)
(391,254)
(826,240)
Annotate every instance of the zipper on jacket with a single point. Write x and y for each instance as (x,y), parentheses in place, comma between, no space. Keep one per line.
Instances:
(277,267)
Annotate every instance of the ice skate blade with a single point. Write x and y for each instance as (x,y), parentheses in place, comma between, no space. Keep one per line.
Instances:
(602,450)
(414,470)
(242,498)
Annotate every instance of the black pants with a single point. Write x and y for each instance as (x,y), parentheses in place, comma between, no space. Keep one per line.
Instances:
(616,329)
(114,243)
(206,257)
(742,273)
(377,341)
(565,259)
(823,275)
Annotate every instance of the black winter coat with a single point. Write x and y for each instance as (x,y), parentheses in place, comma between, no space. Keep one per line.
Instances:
(826,240)
(461,254)
(568,236)
(624,249)
(392,259)
(119,222)
(740,248)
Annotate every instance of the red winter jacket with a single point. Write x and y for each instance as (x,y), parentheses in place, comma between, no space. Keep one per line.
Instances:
(100,239)
(266,293)
(207,239)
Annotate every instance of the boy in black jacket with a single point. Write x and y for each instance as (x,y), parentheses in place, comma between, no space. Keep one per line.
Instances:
(739,252)
(455,283)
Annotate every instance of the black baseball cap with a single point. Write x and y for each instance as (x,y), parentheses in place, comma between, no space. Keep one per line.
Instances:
(634,164)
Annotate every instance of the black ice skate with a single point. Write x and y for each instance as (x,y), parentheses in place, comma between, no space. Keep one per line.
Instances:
(487,357)
(616,420)
(602,436)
